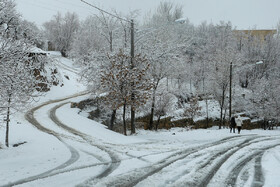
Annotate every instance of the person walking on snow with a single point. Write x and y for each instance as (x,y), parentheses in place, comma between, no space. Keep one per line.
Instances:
(239,122)
(232,125)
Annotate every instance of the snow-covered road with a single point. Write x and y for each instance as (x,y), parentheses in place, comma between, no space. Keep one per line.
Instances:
(67,149)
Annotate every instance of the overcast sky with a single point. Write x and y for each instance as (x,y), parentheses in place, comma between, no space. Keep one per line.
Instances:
(244,14)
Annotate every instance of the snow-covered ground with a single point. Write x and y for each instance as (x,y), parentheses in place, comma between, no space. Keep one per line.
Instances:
(65,149)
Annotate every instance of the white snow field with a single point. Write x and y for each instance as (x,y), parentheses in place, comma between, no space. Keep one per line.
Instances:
(64,148)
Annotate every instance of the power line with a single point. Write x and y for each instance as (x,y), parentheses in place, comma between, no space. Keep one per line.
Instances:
(106,12)
(44,7)
(68,7)
(58,8)
(73,4)
(42,4)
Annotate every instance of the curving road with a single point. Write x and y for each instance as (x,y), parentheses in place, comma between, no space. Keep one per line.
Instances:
(207,170)
(109,165)
(211,159)
(114,159)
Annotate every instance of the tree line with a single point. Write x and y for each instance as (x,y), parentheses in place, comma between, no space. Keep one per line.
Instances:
(169,48)
(176,62)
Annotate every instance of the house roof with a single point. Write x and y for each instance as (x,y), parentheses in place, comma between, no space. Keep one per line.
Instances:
(37,50)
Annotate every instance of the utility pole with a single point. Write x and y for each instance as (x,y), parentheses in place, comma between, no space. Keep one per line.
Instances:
(132,66)
(230,89)
(8,121)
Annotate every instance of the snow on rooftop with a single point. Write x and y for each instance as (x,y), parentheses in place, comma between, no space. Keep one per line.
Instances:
(37,50)
(181,20)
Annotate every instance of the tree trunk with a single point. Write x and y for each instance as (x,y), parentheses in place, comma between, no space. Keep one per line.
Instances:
(221,118)
(8,120)
(112,121)
(125,38)
(167,83)
(191,85)
(152,110)
(224,118)
(222,106)
(207,113)
(157,122)
(206,101)
(132,121)
(124,122)
(153,105)
(111,40)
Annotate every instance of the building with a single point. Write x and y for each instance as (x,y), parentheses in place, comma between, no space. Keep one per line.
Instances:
(258,36)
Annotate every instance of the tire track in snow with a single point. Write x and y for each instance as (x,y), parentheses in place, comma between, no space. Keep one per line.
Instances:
(222,156)
(137,175)
(225,155)
(99,158)
(55,119)
(77,133)
(74,157)
(258,175)
(29,116)
(194,150)
(64,66)
(203,164)
(214,170)
(53,173)
(115,161)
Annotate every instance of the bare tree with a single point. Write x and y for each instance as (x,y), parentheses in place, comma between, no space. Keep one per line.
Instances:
(167,12)
(160,51)
(193,109)
(9,19)
(60,31)
(87,40)
(163,105)
(160,40)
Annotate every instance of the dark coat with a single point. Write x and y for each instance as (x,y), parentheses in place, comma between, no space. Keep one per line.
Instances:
(232,122)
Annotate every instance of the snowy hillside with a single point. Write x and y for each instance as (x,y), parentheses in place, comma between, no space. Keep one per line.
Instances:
(62,148)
